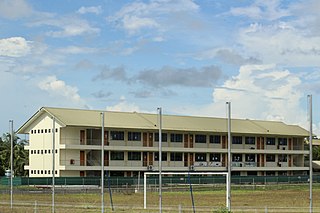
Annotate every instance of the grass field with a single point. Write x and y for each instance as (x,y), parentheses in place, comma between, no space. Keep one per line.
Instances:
(277,198)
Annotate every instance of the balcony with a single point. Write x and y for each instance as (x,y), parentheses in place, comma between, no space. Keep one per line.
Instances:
(244,164)
(207,164)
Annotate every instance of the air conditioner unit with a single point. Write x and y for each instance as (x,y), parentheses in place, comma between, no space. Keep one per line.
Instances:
(150,168)
(191,168)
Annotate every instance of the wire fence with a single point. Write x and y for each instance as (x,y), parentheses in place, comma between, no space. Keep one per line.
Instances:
(135,181)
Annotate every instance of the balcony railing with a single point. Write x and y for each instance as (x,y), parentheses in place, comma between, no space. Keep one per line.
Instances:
(244,164)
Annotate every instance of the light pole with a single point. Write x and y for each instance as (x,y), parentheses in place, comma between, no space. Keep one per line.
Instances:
(102,162)
(310,152)
(160,158)
(11,163)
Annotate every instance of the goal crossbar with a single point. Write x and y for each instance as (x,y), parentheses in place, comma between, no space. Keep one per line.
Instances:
(181,173)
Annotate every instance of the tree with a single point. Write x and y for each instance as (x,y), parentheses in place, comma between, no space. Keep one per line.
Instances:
(316,152)
(20,156)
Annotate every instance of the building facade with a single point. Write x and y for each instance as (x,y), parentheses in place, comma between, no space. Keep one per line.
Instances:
(131,142)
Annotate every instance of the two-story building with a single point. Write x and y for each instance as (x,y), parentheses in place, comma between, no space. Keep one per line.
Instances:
(132,141)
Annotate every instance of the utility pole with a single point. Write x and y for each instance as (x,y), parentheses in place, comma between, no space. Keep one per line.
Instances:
(102,162)
(229,158)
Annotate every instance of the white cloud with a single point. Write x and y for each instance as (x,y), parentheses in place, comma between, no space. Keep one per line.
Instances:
(96,10)
(58,87)
(69,25)
(258,92)
(14,9)
(124,106)
(15,47)
(285,45)
(138,16)
(77,50)
(261,9)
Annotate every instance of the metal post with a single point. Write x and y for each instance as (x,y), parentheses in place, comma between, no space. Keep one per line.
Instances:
(229,158)
(310,152)
(11,163)
(53,161)
(102,162)
(144,190)
(160,158)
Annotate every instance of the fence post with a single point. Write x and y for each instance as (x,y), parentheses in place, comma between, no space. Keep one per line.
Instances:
(35,206)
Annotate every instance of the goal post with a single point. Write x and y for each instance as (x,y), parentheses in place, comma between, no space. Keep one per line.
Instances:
(181,173)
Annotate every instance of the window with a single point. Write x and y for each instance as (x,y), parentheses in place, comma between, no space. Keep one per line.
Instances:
(236,140)
(38,151)
(134,155)
(38,172)
(237,157)
(250,140)
(45,151)
(48,151)
(271,141)
(56,131)
(56,172)
(38,130)
(56,151)
(31,171)
(176,138)
(49,172)
(134,136)
(164,156)
(282,158)
(42,172)
(117,135)
(270,158)
(41,152)
(200,139)
(215,157)
(31,151)
(117,156)
(45,131)
(45,172)
(250,158)
(31,133)
(175,156)
(49,131)
(282,141)
(201,157)
(215,139)
(164,137)
(41,132)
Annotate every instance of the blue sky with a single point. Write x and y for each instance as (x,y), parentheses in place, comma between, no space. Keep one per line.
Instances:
(189,57)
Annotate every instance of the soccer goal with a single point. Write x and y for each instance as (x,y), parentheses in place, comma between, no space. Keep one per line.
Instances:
(146,174)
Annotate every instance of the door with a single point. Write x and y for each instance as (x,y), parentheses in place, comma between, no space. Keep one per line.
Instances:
(223,142)
(106,158)
(186,140)
(82,137)
(82,160)
(185,159)
(81,173)
(145,139)
(151,139)
(191,141)
(106,141)
(150,158)
(258,143)
(145,158)
(191,159)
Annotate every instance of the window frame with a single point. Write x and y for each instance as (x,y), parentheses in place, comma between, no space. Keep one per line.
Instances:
(117,155)
(200,138)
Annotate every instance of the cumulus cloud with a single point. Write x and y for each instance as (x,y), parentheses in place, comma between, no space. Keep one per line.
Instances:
(14,9)
(263,92)
(169,76)
(96,10)
(15,47)
(286,45)
(58,87)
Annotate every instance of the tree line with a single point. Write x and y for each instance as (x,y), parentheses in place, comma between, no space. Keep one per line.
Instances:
(20,155)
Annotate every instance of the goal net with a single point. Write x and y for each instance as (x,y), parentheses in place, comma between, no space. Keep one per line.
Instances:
(183,178)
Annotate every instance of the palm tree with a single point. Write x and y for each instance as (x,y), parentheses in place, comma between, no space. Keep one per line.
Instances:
(20,155)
